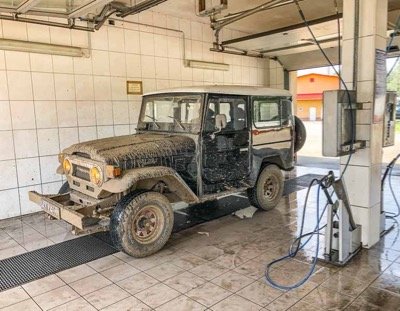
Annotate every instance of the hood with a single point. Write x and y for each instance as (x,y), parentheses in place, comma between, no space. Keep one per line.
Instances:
(135,150)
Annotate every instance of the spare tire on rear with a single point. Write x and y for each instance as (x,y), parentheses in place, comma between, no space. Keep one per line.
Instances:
(300,134)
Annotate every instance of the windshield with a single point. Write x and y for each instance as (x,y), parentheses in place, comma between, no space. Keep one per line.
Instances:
(172,113)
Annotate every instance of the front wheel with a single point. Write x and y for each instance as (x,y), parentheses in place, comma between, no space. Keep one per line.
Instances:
(141,223)
(268,189)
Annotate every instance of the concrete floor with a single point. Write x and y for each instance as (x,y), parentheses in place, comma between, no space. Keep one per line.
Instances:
(222,271)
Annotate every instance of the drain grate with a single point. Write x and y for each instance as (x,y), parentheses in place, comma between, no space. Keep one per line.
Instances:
(42,262)
(39,263)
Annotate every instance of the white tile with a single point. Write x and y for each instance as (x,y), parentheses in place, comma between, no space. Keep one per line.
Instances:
(48,166)
(8,178)
(146,43)
(6,145)
(162,84)
(160,45)
(86,113)
(80,38)
(60,36)
(28,207)
(174,47)
(5,116)
(41,62)
(174,68)
(105,131)
(121,130)
(43,86)
(133,65)
(3,86)
(146,18)
(17,60)
(120,112)
(117,64)
(102,88)
(187,74)
(46,114)
(83,65)
(160,20)
(66,112)
(19,85)
(208,35)
(68,137)
(2,61)
(116,39)
(134,111)
(104,113)
(25,142)
(149,85)
(208,76)
(100,39)
(65,86)
(198,74)
(28,172)
(196,31)
(172,22)
(185,26)
(48,142)
(87,133)
(161,68)
(148,67)
(13,30)
(101,63)
(63,64)
(38,33)
(118,89)
(245,75)
(84,87)
(22,114)
(51,188)
(132,41)
(9,202)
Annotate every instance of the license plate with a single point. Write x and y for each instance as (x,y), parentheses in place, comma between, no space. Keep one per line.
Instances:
(50,209)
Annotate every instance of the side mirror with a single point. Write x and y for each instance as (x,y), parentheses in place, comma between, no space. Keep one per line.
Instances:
(220,122)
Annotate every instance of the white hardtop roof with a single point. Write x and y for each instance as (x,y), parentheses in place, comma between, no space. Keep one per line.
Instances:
(226,89)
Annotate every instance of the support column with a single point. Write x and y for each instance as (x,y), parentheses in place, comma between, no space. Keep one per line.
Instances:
(363,176)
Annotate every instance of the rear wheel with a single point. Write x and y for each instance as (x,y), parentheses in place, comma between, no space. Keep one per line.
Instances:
(141,223)
(268,190)
(300,134)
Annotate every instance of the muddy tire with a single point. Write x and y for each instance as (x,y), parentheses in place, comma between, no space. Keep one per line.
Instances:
(300,134)
(141,223)
(64,188)
(268,190)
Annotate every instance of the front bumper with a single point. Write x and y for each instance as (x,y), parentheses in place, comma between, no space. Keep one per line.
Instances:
(87,218)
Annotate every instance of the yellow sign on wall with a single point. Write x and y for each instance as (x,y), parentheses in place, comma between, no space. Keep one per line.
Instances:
(134,87)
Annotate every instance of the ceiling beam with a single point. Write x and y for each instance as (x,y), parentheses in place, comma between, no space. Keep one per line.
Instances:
(284,29)
(85,9)
(26,6)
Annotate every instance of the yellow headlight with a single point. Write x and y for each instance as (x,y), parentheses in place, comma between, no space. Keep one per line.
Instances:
(96,176)
(67,166)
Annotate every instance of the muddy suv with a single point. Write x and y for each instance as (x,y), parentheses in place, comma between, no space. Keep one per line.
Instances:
(193,145)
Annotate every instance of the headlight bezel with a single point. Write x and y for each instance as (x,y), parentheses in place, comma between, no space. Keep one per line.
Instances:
(96,175)
(67,166)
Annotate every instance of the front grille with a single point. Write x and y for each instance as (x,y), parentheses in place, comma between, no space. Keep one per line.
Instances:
(81,172)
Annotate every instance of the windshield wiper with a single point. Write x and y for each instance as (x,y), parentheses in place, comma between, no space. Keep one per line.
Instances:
(179,122)
(154,121)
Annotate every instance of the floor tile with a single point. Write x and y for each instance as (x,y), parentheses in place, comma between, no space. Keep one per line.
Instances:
(106,296)
(182,303)
(346,285)
(235,303)
(208,294)
(90,284)
(189,261)
(12,296)
(164,271)
(128,304)
(26,305)
(232,281)
(185,282)
(381,298)
(388,282)
(260,293)
(79,304)
(327,298)
(105,263)
(43,285)
(207,252)
(120,272)
(137,283)
(76,273)
(157,295)
(56,297)
(208,270)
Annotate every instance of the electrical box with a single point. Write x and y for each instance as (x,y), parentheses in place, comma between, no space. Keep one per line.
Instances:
(339,123)
(389,119)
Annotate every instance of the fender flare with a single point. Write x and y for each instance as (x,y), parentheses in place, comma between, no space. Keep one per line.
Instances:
(168,175)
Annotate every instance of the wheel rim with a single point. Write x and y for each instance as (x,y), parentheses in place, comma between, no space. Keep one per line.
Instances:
(271,187)
(147,224)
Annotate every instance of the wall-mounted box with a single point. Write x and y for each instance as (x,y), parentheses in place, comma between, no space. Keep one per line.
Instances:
(389,119)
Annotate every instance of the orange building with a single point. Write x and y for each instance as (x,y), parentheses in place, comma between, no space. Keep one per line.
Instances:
(309,94)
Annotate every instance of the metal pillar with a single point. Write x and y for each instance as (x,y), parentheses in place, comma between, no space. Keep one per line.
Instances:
(364,44)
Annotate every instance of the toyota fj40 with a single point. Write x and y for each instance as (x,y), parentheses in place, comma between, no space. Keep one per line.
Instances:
(193,145)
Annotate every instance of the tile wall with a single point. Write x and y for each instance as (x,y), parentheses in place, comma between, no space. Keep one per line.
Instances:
(49,102)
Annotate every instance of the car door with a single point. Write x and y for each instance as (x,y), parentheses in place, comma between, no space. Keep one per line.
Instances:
(225,152)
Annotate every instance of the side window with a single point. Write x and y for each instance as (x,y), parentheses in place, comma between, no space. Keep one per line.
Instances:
(266,113)
(286,108)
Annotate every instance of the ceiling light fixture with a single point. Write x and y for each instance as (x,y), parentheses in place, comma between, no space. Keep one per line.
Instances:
(43,48)
(207,65)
